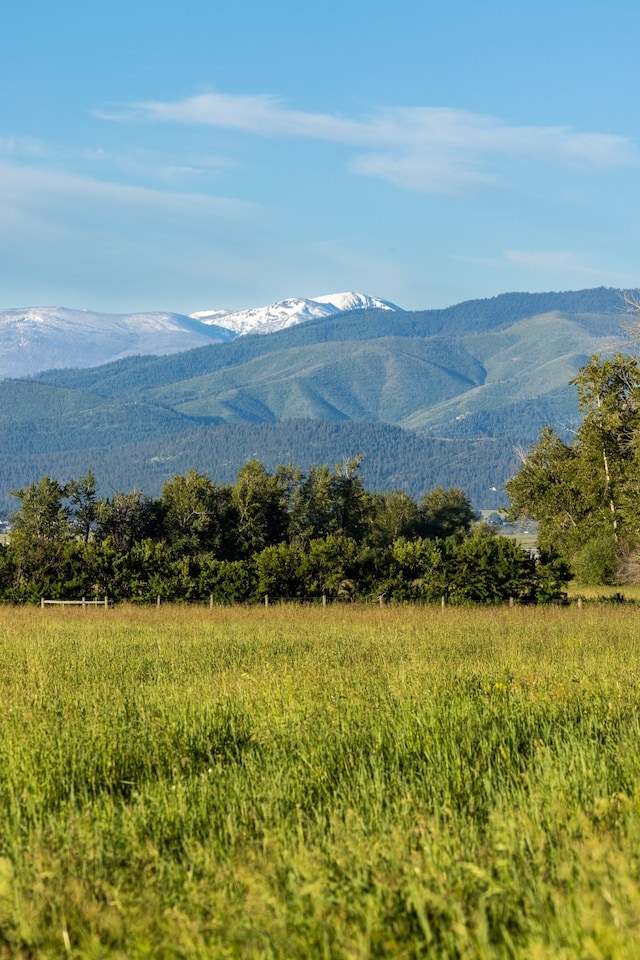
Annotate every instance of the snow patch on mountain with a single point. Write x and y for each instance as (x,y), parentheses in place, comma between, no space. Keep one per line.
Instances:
(210,316)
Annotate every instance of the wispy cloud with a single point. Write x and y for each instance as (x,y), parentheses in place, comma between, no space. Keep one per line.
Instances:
(432,149)
(41,189)
(52,217)
(104,164)
(23,147)
(82,239)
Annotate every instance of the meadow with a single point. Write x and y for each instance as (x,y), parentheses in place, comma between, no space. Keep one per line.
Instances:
(348,782)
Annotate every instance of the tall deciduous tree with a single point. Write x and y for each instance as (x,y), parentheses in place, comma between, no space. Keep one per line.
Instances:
(585,496)
(83,501)
(445,513)
(396,515)
(43,516)
(261,500)
(352,504)
(199,516)
(41,536)
(609,395)
(312,506)
(127,518)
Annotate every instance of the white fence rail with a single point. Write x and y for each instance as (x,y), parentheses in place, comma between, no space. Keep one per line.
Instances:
(74,603)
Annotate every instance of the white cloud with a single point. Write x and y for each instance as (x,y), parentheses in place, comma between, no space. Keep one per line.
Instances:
(433,149)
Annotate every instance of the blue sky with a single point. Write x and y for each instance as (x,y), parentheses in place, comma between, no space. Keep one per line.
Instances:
(197,155)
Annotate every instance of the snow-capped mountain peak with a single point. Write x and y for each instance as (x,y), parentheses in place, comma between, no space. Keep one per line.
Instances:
(290,312)
(276,316)
(355,301)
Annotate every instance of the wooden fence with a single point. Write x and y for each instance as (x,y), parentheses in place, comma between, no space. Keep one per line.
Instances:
(268,601)
(74,603)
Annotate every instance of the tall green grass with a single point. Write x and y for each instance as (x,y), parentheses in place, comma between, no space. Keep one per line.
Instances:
(349,782)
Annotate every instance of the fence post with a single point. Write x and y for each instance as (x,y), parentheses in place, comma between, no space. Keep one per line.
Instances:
(443,602)
(324,599)
(512,602)
(42,603)
(579,603)
(106,603)
(158,601)
(266,599)
(211,601)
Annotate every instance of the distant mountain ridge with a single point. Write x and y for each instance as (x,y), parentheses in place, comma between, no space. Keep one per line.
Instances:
(46,338)
(430,397)
(33,339)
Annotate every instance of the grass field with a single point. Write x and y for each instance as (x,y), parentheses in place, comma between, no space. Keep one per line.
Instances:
(351,782)
(630,592)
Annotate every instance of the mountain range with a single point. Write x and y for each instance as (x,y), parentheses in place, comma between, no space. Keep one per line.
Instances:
(45,338)
(433,397)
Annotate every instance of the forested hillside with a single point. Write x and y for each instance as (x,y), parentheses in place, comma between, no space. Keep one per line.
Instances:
(393,458)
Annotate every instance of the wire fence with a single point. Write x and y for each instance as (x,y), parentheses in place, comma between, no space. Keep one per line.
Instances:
(323,602)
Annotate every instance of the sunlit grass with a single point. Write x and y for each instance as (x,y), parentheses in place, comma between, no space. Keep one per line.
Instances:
(348,782)
(629,592)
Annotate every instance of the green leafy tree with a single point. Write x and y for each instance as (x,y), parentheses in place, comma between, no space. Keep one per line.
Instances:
(142,572)
(491,569)
(261,500)
(7,570)
(332,567)
(312,506)
(199,516)
(608,441)
(126,519)
(353,505)
(43,516)
(41,530)
(585,497)
(396,516)
(83,505)
(547,489)
(280,572)
(445,513)
(227,581)
(409,563)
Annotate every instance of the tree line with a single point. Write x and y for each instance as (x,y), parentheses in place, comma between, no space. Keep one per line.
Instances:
(285,533)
